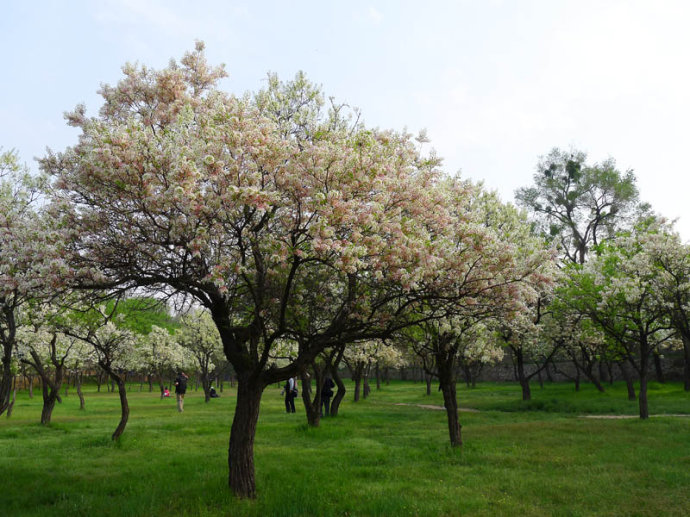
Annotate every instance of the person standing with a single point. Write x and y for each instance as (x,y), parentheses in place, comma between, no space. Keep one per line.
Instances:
(326,394)
(290,390)
(180,389)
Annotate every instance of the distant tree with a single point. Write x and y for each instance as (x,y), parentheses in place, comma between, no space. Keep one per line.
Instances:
(44,348)
(199,336)
(113,345)
(579,205)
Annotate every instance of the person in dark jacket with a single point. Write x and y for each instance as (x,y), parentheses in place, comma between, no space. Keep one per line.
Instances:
(180,389)
(326,394)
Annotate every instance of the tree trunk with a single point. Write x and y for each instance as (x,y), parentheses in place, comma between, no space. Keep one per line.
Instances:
(378,377)
(358,385)
(312,408)
(10,407)
(547,370)
(686,365)
(79,392)
(366,389)
(541,381)
(657,367)
(428,385)
(241,478)
(124,406)
(7,376)
(577,379)
(522,378)
(628,381)
(602,372)
(340,394)
(206,386)
(644,357)
(644,408)
(450,401)
(31,386)
(468,375)
(49,399)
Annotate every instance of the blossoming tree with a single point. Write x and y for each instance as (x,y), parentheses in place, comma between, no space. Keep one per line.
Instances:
(23,252)
(249,205)
(199,336)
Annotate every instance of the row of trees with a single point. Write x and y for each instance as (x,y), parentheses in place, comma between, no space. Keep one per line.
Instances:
(304,235)
(55,339)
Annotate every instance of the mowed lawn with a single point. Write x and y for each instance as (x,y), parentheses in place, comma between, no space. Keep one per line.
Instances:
(377,458)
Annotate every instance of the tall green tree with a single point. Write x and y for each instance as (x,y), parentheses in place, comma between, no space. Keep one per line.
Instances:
(579,205)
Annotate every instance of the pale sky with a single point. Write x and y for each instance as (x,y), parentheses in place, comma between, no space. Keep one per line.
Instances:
(496,83)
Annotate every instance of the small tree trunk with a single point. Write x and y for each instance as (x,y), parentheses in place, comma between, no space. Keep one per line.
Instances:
(241,478)
(79,392)
(366,389)
(468,375)
(547,369)
(524,381)
(124,407)
(206,385)
(428,385)
(657,367)
(686,365)
(577,379)
(628,381)
(340,394)
(358,385)
(31,386)
(312,408)
(378,377)
(450,401)
(7,376)
(14,398)
(541,381)
(603,375)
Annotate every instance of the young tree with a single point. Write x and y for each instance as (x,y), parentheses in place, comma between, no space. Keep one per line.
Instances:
(114,347)
(618,290)
(493,266)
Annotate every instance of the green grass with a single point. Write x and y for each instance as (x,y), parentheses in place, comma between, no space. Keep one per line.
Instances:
(376,458)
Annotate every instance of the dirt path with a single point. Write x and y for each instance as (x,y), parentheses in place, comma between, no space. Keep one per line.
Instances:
(437,408)
(620,417)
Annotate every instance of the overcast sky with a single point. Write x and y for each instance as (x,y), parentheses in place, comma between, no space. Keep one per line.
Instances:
(495,83)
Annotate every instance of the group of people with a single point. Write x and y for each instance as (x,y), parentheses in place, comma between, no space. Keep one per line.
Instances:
(290,391)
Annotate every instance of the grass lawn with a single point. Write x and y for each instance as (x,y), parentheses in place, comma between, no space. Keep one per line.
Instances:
(376,458)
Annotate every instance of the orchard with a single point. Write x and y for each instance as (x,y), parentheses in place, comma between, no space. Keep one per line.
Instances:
(271,236)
